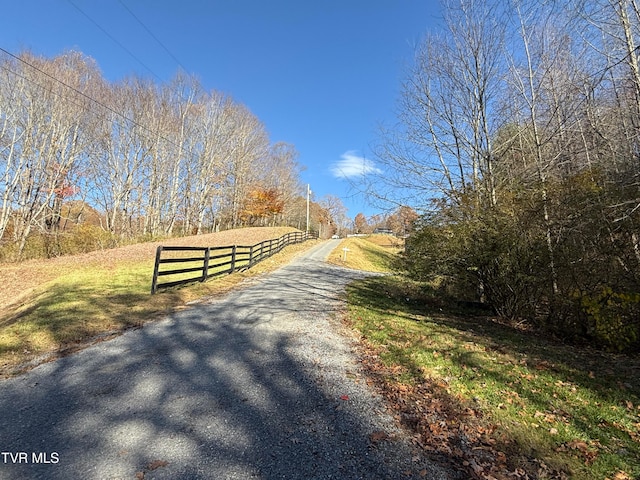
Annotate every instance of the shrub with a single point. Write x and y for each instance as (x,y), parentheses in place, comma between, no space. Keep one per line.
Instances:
(614,317)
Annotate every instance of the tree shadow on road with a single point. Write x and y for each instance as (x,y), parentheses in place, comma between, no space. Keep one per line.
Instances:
(222,390)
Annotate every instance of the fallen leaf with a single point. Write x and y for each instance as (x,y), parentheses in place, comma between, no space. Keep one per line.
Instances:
(578,445)
(378,436)
(542,366)
(157,464)
(621,476)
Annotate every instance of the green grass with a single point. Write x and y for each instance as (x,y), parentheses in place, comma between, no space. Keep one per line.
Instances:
(366,253)
(77,305)
(575,409)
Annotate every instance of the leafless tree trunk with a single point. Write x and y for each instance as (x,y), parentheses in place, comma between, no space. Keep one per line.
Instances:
(124,151)
(151,159)
(448,110)
(249,146)
(529,81)
(214,145)
(45,116)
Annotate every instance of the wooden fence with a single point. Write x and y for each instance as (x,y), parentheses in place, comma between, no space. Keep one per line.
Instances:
(211,262)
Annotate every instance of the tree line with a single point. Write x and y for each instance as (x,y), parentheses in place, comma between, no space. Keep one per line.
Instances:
(519,140)
(85,160)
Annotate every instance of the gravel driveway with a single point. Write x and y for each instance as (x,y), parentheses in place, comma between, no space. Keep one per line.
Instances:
(257,384)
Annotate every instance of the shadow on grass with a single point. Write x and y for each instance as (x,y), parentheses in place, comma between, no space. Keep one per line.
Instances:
(527,369)
(380,258)
(227,389)
(75,311)
(71,311)
(416,302)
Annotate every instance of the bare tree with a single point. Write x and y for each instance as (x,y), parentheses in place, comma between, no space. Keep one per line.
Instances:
(213,145)
(447,110)
(148,159)
(281,172)
(45,124)
(12,134)
(339,221)
(249,147)
(530,81)
(124,147)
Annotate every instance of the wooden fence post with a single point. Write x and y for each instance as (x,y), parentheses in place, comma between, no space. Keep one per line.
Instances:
(233,259)
(205,267)
(156,268)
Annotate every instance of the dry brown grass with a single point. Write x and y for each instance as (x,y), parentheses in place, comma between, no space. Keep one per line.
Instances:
(49,307)
(386,241)
(374,253)
(19,280)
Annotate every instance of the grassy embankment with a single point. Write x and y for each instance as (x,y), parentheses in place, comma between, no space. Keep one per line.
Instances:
(497,398)
(51,307)
(375,253)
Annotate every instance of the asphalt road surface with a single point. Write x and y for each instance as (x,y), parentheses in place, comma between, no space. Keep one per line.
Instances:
(258,384)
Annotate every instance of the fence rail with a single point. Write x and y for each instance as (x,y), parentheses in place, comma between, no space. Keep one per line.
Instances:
(212,262)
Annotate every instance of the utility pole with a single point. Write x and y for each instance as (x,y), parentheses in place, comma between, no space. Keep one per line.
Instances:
(308,198)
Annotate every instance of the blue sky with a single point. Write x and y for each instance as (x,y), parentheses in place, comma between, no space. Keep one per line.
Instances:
(322,75)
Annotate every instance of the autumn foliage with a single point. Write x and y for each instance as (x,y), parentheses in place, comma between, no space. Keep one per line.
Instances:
(261,205)
(152,160)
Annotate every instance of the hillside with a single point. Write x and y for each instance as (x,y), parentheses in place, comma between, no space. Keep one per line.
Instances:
(52,305)
(18,279)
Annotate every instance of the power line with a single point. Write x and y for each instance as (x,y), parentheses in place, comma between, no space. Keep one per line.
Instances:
(88,97)
(152,35)
(31,80)
(114,40)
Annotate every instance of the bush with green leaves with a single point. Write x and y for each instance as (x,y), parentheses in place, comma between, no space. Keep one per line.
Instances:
(574,275)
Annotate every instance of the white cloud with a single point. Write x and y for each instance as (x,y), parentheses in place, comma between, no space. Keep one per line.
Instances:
(352,165)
